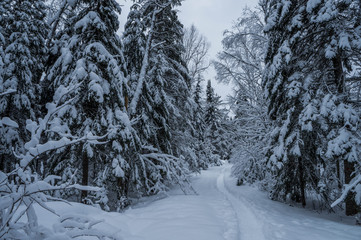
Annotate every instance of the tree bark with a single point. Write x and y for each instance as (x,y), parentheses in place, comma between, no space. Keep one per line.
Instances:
(2,162)
(85,165)
(339,178)
(302,182)
(349,167)
(351,206)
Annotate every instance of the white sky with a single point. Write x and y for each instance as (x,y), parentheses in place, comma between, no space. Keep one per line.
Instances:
(211,17)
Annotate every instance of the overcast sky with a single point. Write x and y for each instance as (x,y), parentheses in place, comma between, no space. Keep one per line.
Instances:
(211,17)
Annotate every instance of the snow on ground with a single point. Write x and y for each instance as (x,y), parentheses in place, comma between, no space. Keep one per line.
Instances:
(219,211)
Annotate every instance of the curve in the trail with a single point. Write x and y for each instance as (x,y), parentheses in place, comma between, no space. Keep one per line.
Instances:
(250,227)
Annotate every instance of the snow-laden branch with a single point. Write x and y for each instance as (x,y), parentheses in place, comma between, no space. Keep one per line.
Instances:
(26,190)
(145,63)
(34,148)
(5,121)
(39,149)
(7,92)
(157,44)
(347,189)
(21,187)
(165,169)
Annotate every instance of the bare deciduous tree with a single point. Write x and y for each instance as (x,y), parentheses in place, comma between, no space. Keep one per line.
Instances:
(196,52)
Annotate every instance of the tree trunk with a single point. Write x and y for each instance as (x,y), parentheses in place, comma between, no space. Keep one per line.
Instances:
(339,177)
(2,162)
(126,102)
(122,186)
(351,206)
(349,167)
(122,190)
(302,182)
(85,164)
(339,74)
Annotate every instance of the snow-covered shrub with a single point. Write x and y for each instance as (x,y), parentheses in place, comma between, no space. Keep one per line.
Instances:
(21,188)
(73,226)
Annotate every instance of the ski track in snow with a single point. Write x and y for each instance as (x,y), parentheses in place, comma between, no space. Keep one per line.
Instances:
(219,211)
(249,226)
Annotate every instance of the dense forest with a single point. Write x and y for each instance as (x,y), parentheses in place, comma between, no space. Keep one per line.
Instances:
(102,118)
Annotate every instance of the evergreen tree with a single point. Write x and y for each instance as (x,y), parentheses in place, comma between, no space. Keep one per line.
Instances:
(212,102)
(169,35)
(202,152)
(305,85)
(283,80)
(214,118)
(23,54)
(88,76)
(161,96)
(134,41)
(4,11)
(334,104)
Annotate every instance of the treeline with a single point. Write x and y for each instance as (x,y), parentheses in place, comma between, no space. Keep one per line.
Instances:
(81,106)
(301,139)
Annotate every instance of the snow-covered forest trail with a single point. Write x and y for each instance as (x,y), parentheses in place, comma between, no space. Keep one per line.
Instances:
(210,214)
(250,227)
(219,211)
(261,218)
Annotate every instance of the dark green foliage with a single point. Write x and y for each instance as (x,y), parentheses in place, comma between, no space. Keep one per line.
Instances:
(303,79)
(22,59)
(88,75)
(160,82)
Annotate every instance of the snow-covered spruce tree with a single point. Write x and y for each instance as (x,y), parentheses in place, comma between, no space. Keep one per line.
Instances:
(215,119)
(167,57)
(89,67)
(59,14)
(88,63)
(305,83)
(5,17)
(283,80)
(338,112)
(134,41)
(212,113)
(197,96)
(161,96)
(203,152)
(3,34)
(178,87)
(242,63)
(137,45)
(23,53)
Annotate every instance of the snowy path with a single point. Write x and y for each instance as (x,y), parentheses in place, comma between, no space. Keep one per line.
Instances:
(209,215)
(250,226)
(220,211)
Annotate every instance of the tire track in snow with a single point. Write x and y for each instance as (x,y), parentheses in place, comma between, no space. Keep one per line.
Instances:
(249,227)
